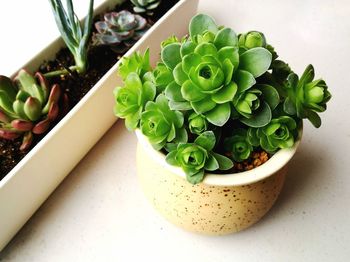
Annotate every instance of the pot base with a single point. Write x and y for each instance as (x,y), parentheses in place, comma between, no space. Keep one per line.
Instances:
(202,208)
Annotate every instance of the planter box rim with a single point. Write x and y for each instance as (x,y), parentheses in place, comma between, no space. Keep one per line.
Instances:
(270,167)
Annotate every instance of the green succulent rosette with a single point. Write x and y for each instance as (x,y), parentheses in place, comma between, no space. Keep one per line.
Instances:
(162,125)
(136,63)
(252,39)
(131,99)
(238,145)
(197,123)
(197,157)
(254,106)
(208,70)
(306,97)
(281,132)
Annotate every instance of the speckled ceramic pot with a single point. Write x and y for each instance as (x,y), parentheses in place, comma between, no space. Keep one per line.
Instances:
(221,204)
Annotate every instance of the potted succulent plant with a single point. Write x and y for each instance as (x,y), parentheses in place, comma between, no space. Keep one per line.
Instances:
(217,121)
(32,104)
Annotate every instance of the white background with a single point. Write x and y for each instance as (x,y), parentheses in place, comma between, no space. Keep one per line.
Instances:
(99,212)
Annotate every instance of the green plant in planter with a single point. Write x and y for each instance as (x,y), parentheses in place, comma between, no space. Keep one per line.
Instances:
(27,106)
(73,34)
(120,30)
(145,6)
(217,98)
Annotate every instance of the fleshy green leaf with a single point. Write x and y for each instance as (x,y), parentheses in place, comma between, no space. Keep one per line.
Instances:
(200,24)
(224,162)
(260,118)
(219,115)
(170,158)
(206,140)
(225,37)
(171,55)
(32,108)
(191,92)
(195,178)
(228,69)
(270,95)
(187,48)
(180,105)
(179,75)
(190,61)
(203,106)
(206,49)
(244,80)
(8,87)
(256,61)
(230,53)
(289,106)
(226,94)
(173,92)
(314,119)
(211,164)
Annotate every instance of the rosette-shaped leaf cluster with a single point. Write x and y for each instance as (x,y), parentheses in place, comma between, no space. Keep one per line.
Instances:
(281,132)
(120,30)
(145,6)
(27,106)
(197,123)
(131,99)
(211,75)
(238,145)
(252,39)
(197,157)
(161,124)
(306,97)
(138,89)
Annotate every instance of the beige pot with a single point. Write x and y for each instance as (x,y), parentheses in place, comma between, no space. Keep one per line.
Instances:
(221,204)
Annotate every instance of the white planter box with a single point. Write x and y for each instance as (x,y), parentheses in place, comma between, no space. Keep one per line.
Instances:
(28,185)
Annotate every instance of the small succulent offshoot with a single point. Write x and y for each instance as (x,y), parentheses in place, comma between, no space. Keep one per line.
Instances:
(27,106)
(120,30)
(145,6)
(73,34)
(217,100)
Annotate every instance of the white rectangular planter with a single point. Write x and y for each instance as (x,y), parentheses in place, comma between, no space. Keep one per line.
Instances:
(28,185)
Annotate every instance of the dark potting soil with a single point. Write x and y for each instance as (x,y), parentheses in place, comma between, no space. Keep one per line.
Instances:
(101,59)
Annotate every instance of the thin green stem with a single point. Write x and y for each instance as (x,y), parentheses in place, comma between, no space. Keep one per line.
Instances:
(61,72)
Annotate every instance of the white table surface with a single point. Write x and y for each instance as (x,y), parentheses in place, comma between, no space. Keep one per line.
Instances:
(99,212)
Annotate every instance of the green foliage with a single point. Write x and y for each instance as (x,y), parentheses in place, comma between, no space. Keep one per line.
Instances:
(252,39)
(306,97)
(73,34)
(132,98)
(215,93)
(120,30)
(279,133)
(238,145)
(27,106)
(145,6)
(162,125)
(197,123)
(197,157)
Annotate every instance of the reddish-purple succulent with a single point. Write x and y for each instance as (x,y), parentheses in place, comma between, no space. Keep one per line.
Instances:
(27,106)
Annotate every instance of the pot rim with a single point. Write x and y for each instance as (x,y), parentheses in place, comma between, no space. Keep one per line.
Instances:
(270,167)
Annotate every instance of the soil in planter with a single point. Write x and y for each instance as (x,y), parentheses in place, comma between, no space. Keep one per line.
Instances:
(100,58)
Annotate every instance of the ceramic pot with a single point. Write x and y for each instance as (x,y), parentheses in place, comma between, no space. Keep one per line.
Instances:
(221,204)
